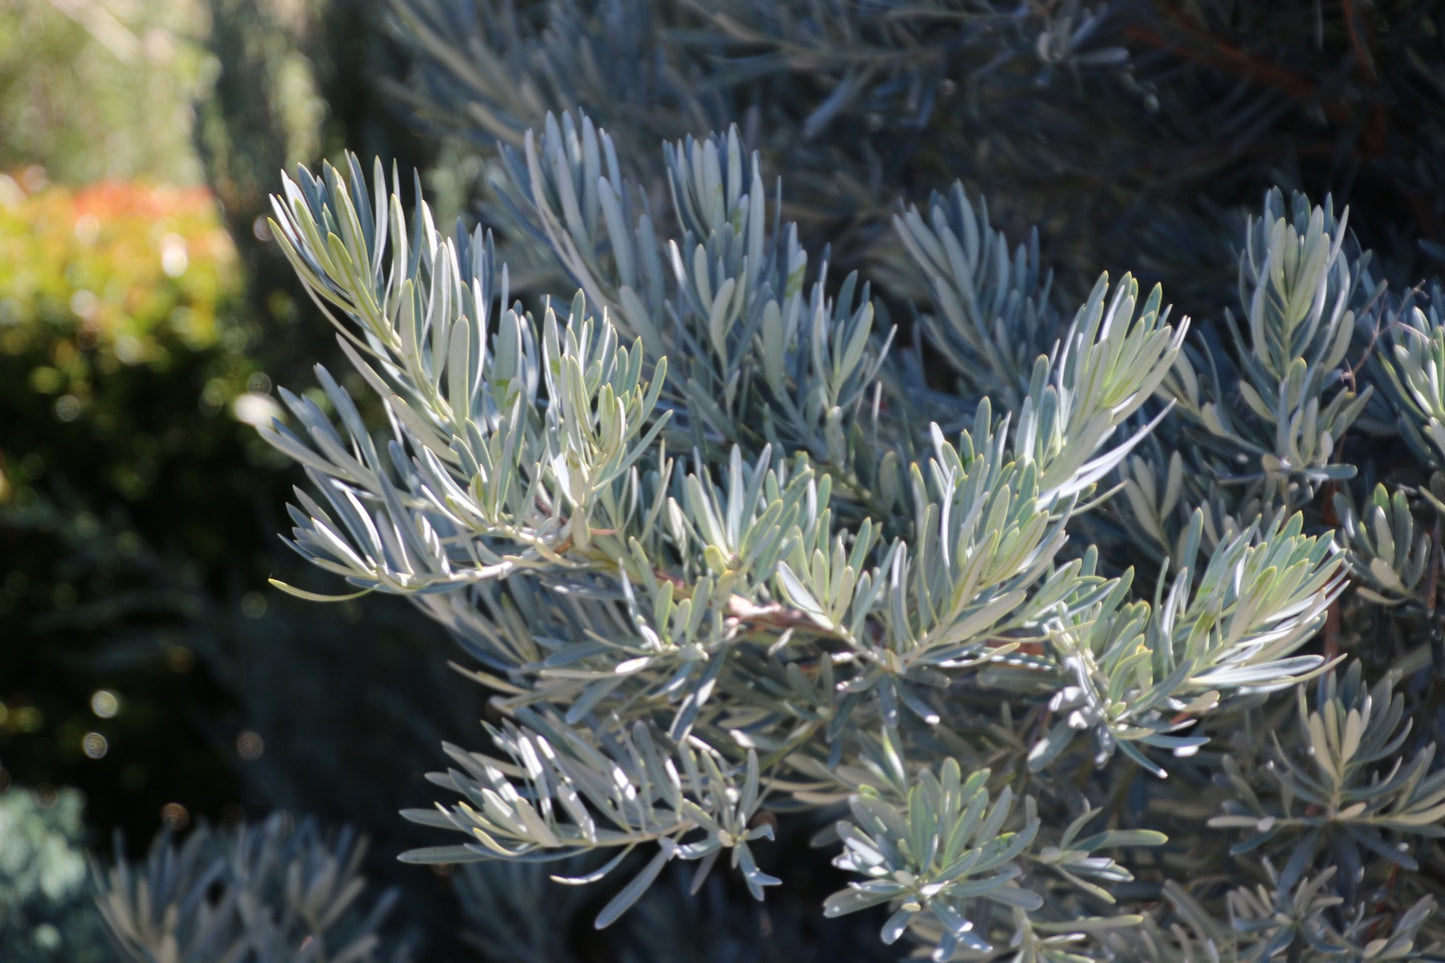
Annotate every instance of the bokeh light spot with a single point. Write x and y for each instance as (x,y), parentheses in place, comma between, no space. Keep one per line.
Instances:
(128,544)
(87,229)
(29,719)
(128,349)
(46,936)
(67,407)
(104,703)
(94,745)
(63,596)
(84,304)
(180,658)
(176,816)
(253,605)
(174,256)
(249,745)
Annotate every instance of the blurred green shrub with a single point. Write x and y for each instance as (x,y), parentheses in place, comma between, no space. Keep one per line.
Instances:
(136,254)
(101,89)
(118,362)
(113,354)
(110,285)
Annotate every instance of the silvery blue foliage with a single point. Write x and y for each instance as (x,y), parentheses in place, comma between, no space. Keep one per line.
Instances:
(1131,132)
(727,551)
(273,892)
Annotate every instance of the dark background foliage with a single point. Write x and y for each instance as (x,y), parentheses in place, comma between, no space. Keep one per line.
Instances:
(138,520)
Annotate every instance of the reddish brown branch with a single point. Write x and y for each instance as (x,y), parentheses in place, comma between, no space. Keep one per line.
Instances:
(1214,51)
(1219,53)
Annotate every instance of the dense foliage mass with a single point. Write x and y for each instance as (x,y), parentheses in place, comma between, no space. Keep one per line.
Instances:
(1013,604)
(1134,134)
(796,507)
(1022,650)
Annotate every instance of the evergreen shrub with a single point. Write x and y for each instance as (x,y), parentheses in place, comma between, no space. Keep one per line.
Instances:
(1065,624)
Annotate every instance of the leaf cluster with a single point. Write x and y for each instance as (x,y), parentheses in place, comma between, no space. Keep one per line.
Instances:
(679,641)
(270,892)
